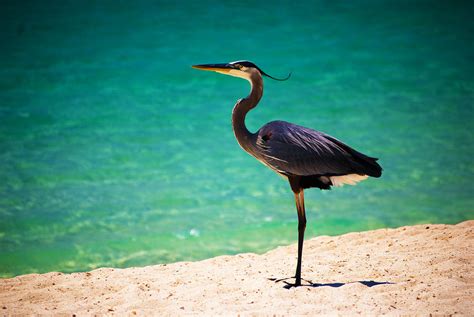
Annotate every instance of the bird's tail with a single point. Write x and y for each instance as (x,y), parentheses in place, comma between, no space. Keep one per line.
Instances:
(369,164)
(363,164)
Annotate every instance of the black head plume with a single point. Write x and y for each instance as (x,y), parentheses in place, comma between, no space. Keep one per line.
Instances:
(250,64)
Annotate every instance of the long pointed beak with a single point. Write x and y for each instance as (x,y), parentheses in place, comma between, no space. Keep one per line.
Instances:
(224,68)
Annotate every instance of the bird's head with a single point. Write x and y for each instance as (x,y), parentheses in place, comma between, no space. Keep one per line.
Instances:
(242,69)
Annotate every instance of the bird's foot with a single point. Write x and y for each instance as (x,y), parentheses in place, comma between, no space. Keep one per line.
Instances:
(290,285)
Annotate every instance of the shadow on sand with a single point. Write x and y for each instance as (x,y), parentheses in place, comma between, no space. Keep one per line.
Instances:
(308,283)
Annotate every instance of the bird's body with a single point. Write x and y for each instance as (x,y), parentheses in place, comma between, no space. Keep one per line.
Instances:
(306,157)
(318,159)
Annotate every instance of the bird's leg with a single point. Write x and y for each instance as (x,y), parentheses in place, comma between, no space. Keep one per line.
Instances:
(299,198)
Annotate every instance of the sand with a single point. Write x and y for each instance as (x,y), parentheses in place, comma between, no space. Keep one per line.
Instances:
(423,269)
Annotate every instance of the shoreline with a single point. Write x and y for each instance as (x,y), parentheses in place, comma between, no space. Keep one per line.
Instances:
(421,269)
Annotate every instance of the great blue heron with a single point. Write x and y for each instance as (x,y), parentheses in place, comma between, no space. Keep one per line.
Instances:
(307,158)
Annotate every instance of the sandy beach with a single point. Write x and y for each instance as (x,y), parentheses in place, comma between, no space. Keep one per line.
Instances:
(423,269)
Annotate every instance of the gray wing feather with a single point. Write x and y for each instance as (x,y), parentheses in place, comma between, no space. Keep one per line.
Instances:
(296,150)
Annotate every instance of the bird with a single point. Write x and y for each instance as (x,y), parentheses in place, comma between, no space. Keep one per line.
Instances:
(307,158)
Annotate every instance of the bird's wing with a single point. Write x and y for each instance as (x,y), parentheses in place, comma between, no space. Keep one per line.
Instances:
(294,150)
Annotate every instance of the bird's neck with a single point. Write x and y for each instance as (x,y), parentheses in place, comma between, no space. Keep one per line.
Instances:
(242,107)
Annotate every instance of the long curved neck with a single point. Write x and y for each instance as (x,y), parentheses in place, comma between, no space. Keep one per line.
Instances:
(242,107)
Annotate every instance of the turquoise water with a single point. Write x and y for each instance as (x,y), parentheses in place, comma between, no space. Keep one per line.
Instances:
(114,152)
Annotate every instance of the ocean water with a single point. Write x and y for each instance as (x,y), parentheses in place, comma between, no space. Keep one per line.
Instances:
(115,152)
